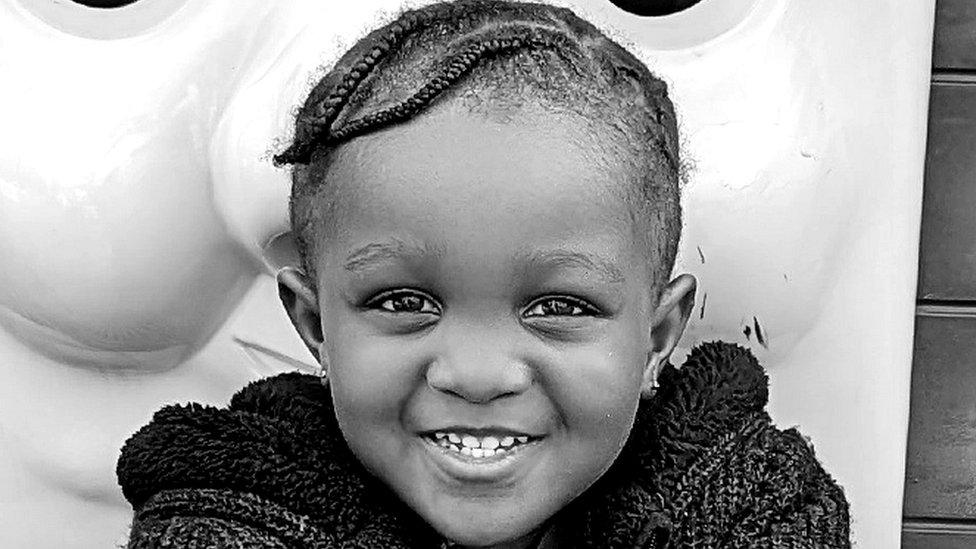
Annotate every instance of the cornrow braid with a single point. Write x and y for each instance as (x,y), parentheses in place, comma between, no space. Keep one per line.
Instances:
(455,69)
(319,114)
(401,70)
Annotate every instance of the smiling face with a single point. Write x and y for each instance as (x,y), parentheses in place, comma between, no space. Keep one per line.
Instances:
(487,318)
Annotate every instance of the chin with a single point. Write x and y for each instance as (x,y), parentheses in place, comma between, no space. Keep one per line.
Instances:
(489,539)
(484,531)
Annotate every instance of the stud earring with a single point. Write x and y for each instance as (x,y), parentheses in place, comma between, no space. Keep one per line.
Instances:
(649,390)
(322,371)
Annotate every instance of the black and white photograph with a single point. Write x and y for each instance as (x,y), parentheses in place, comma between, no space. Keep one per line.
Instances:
(497,274)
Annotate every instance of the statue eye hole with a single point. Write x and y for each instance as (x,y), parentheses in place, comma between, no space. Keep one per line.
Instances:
(103,19)
(105,4)
(654,8)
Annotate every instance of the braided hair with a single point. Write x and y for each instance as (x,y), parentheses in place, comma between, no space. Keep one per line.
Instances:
(518,52)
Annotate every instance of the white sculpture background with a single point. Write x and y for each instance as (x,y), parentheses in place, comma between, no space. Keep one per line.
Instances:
(138,207)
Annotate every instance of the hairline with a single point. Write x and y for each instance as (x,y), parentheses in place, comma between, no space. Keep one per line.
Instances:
(630,192)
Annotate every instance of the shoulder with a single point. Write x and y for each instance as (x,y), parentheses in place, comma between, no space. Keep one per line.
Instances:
(718,391)
(765,488)
(275,452)
(706,467)
(727,469)
(193,445)
(219,518)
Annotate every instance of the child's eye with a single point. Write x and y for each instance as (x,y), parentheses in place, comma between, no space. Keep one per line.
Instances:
(560,306)
(404,301)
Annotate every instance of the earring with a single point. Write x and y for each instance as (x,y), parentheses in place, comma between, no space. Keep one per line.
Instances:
(651,388)
(322,371)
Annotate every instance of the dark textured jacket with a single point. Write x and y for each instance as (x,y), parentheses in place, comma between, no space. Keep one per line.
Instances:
(704,467)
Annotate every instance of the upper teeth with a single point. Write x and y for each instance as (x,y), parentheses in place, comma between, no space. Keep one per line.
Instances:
(484,443)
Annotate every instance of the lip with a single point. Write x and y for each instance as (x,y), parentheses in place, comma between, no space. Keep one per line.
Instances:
(497,469)
(491,430)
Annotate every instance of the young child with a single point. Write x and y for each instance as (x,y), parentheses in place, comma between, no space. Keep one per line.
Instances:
(486,203)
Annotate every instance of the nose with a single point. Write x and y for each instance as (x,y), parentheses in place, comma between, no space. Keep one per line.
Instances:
(479,367)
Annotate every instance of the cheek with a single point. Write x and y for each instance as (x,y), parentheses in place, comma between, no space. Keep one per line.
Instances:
(605,403)
(371,380)
(597,391)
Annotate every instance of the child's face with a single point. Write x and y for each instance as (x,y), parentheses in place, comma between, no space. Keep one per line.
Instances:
(480,286)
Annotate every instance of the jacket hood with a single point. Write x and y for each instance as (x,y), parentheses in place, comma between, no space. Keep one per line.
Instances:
(278,439)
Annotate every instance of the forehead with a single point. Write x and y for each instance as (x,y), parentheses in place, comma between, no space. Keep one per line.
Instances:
(514,155)
(473,182)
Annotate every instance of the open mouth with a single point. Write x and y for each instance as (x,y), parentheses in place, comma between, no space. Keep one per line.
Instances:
(469,444)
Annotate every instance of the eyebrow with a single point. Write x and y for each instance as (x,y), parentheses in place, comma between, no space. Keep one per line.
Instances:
(368,257)
(569,258)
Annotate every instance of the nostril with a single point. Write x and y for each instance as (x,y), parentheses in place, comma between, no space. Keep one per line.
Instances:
(478,382)
(439,378)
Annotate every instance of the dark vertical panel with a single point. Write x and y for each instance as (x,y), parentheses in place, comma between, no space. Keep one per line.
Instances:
(955,35)
(941,465)
(948,248)
(940,478)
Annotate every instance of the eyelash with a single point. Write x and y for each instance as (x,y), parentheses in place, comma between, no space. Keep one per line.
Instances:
(578,307)
(391,297)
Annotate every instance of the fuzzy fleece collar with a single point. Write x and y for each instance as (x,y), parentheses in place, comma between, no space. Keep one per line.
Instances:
(278,439)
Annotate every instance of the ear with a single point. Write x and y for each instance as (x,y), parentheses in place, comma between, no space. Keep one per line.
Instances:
(298,295)
(669,321)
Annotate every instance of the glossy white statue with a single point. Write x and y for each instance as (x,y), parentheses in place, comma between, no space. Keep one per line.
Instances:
(139,213)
